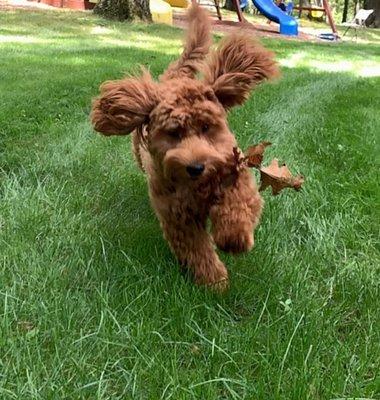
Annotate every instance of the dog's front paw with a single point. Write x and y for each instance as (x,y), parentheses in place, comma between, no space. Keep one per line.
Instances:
(219,286)
(214,276)
(236,242)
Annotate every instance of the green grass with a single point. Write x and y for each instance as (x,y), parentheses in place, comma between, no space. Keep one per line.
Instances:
(92,302)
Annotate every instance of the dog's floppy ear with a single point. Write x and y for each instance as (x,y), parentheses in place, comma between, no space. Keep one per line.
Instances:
(236,67)
(124,105)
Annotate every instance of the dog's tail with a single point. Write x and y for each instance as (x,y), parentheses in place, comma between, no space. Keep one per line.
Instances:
(197,45)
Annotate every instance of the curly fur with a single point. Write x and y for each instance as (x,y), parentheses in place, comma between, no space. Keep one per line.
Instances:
(181,122)
(197,45)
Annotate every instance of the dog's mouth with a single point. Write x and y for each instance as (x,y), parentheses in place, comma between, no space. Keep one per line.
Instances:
(215,174)
(199,166)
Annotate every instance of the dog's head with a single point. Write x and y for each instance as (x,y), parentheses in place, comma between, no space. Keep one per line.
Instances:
(184,117)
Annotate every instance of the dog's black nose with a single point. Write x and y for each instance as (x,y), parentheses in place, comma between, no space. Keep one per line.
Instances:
(195,169)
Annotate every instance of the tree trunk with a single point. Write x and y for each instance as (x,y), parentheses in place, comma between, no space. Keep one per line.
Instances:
(229,5)
(143,10)
(124,9)
(374,19)
(345,11)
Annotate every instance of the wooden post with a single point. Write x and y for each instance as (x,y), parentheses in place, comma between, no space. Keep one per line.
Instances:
(216,2)
(327,8)
(300,10)
(238,10)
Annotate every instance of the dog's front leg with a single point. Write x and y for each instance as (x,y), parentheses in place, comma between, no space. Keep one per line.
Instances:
(193,246)
(236,215)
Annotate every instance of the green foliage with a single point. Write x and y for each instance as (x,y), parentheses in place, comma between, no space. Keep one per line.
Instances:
(92,303)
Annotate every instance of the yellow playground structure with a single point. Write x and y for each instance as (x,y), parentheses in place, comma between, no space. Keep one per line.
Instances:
(162,12)
(179,3)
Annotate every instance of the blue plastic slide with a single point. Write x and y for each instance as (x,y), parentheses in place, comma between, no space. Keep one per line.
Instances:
(288,25)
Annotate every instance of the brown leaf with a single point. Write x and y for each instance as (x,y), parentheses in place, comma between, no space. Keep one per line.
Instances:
(25,326)
(254,154)
(279,178)
(238,158)
(194,349)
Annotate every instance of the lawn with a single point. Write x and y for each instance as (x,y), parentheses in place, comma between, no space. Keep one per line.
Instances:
(93,305)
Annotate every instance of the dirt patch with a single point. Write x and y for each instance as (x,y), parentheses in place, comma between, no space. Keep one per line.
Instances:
(226,26)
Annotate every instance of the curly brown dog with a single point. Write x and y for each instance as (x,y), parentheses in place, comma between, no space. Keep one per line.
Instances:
(182,141)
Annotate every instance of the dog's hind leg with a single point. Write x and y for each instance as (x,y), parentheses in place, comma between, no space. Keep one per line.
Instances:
(236,216)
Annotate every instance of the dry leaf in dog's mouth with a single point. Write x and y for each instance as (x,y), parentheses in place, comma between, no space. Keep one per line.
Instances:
(255,154)
(279,178)
(275,176)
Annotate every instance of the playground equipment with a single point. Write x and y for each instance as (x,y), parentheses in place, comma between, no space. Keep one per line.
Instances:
(288,24)
(161,11)
(237,5)
(325,8)
(179,3)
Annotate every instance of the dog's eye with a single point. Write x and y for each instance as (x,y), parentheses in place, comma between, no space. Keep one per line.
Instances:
(175,134)
(205,128)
